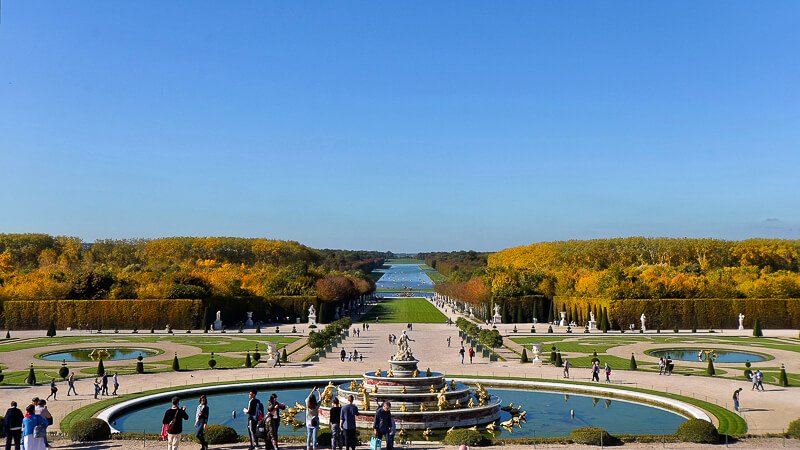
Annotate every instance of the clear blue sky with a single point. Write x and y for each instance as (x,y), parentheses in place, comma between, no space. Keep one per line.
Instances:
(400,126)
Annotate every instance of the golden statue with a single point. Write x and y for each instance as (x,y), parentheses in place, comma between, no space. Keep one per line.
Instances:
(378,373)
(374,388)
(403,407)
(353,386)
(390,374)
(327,394)
(405,390)
(432,389)
(483,396)
(442,399)
(452,385)
(458,404)
(415,374)
(422,407)
(471,403)
(364,398)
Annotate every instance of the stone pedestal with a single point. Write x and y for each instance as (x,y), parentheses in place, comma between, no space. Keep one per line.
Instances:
(249,321)
(217,325)
(592,325)
(563,321)
(497,318)
(312,319)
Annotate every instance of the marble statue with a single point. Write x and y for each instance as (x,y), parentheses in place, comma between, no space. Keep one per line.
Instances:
(403,349)
(642,319)
(741,321)
(591,317)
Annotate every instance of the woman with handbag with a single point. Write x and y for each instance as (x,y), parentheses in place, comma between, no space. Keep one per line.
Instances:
(312,419)
(200,422)
(34,430)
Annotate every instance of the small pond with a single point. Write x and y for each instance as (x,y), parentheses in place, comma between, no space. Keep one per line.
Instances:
(698,355)
(549,413)
(94,354)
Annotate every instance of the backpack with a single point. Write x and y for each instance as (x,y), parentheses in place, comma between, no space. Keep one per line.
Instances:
(40,430)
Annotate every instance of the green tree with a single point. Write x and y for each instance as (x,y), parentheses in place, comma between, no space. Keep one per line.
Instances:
(559,361)
(63,371)
(757,329)
(51,329)
(783,380)
(176,365)
(31,376)
(284,356)
(101,368)
(633,365)
(524,357)
(247,361)
(710,369)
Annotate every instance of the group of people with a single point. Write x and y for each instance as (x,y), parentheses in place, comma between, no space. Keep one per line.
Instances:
(101,386)
(665,365)
(462,351)
(596,371)
(28,429)
(757,378)
(352,356)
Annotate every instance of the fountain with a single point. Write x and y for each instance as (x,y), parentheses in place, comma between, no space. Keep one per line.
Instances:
(419,400)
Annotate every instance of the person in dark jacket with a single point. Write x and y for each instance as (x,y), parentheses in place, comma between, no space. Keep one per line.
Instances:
(336,427)
(12,425)
(173,419)
(349,413)
(254,411)
(383,420)
(200,422)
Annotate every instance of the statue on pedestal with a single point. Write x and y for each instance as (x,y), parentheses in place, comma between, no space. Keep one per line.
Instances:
(741,321)
(642,319)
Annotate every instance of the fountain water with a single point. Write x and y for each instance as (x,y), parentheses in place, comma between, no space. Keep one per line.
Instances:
(419,400)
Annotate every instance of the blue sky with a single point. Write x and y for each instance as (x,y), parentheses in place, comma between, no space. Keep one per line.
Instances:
(400,126)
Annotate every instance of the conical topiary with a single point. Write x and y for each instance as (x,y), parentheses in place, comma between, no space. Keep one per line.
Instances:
(559,361)
(247,361)
(633,365)
(524,357)
(31,376)
(176,365)
(139,364)
(101,368)
(63,371)
(51,329)
(710,369)
(212,362)
(757,329)
(553,354)
(748,374)
(258,328)
(8,334)
(256,355)
(783,380)
(284,356)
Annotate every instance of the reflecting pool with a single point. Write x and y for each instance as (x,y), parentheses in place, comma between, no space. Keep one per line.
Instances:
(402,276)
(94,354)
(698,354)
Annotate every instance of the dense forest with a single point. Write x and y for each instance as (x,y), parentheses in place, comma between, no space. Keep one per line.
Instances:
(456,266)
(40,266)
(636,267)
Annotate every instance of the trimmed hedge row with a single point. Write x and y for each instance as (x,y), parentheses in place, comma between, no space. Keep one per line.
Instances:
(95,314)
(700,313)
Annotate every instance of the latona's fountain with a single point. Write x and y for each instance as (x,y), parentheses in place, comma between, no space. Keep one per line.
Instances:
(419,400)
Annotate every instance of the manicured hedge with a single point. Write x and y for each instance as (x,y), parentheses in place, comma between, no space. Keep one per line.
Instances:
(470,438)
(93,429)
(700,313)
(592,436)
(698,431)
(221,434)
(106,314)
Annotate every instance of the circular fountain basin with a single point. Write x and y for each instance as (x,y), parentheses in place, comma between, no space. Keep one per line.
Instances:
(548,413)
(86,355)
(698,355)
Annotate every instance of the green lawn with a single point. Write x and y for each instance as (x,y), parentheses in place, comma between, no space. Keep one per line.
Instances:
(405,310)
(435,276)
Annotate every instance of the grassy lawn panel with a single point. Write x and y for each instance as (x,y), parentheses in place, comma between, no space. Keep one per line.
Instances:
(405,310)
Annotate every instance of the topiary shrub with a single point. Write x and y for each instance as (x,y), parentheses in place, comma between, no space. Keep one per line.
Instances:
(176,365)
(633,365)
(783,380)
(470,438)
(757,329)
(592,436)
(247,361)
(559,361)
(524,357)
(101,368)
(550,329)
(697,431)
(221,434)
(710,369)
(284,356)
(93,429)
(748,374)
(63,372)
(51,329)
(139,364)
(794,429)
(31,379)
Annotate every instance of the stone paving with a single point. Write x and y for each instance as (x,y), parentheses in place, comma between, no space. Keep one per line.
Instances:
(765,412)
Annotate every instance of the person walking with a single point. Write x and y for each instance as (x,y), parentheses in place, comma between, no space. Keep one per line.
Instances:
(201,421)
(173,419)
(312,419)
(349,413)
(115,383)
(336,424)
(471,354)
(736,399)
(254,412)
(53,389)
(661,365)
(12,426)
(71,384)
(96,388)
(274,408)
(448,341)
(754,378)
(461,352)
(595,371)
(383,421)
(760,378)
(104,384)
(390,436)
(567,365)
(355,355)
(34,429)
(608,373)
(342,354)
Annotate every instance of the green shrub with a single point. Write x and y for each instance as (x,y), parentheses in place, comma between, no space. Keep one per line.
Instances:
(247,361)
(633,365)
(101,368)
(783,380)
(176,365)
(757,329)
(31,379)
(284,356)
(466,437)
(592,436)
(794,429)
(63,372)
(710,369)
(221,434)
(51,329)
(524,357)
(93,429)
(697,431)
(748,374)
(559,361)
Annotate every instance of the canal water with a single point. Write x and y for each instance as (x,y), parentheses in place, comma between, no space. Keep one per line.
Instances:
(404,276)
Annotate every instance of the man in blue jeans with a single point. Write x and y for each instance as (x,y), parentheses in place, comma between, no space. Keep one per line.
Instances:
(349,413)
(383,421)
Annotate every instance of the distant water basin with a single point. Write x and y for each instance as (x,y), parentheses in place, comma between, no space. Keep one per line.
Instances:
(404,276)
(694,354)
(90,354)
